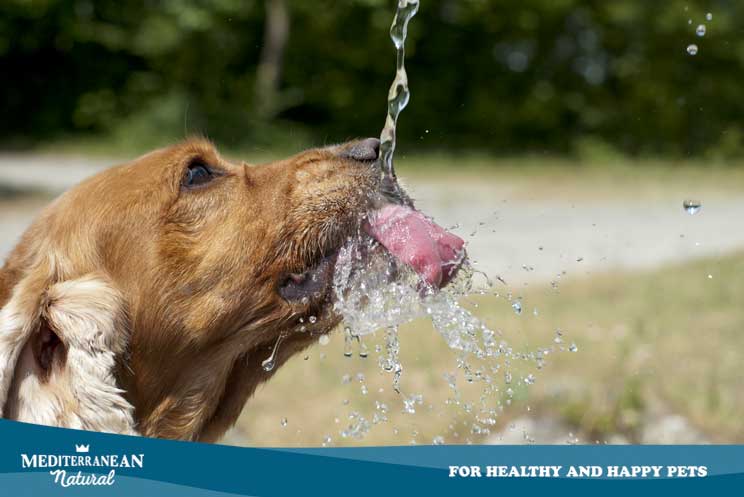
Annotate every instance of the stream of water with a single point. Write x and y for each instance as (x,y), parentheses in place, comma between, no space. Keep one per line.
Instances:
(399,94)
(375,292)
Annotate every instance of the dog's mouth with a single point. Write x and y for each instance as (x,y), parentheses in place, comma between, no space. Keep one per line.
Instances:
(390,218)
(312,284)
(411,237)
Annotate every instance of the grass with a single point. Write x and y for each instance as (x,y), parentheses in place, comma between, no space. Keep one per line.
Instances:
(666,341)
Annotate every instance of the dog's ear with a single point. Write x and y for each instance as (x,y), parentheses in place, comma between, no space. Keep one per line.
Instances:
(6,284)
(19,318)
(58,350)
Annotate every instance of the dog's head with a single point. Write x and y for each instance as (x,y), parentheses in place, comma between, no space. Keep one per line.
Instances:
(206,262)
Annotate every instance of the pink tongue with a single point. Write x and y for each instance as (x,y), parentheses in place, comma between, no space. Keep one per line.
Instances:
(417,241)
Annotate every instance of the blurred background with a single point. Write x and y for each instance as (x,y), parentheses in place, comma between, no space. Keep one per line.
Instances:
(559,137)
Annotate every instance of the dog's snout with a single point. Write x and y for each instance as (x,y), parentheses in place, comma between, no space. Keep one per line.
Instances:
(364,150)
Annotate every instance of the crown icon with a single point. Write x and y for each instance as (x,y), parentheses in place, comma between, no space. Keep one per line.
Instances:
(82,448)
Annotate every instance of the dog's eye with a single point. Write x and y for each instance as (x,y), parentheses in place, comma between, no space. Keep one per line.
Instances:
(196,174)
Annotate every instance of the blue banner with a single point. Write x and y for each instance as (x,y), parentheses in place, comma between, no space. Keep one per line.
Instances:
(37,460)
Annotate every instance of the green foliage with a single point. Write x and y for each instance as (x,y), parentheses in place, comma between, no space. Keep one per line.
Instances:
(502,75)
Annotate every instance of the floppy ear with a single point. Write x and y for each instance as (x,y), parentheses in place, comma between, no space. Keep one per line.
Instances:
(18,319)
(61,346)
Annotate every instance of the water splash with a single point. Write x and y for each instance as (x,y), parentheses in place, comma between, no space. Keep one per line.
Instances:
(369,298)
(399,94)
(373,292)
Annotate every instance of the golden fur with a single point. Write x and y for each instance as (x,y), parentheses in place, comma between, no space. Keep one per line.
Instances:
(181,284)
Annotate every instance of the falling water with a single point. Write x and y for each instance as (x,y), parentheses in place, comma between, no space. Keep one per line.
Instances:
(399,95)
(270,362)
(373,293)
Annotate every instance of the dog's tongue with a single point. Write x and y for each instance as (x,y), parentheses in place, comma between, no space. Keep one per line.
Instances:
(417,241)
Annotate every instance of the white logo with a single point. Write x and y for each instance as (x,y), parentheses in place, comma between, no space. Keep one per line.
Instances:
(83,470)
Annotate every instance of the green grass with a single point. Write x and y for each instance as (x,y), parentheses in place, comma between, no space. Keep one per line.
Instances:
(666,341)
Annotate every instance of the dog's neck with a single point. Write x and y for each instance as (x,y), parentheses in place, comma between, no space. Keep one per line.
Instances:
(200,403)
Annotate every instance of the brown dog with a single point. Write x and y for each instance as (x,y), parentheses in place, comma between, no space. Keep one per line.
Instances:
(163,284)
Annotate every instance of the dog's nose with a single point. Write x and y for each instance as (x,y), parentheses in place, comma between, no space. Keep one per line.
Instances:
(364,150)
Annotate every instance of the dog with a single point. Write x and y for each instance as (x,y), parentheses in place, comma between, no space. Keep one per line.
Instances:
(146,299)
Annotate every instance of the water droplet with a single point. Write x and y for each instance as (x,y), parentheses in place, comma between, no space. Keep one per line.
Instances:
(692,49)
(348,343)
(530,379)
(327,440)
(700,30)
(313,319)
(409,403)
(438,440)
(710,276)
(692,206)
(363,350)
(324,340)
(709,16)
(284,422)
(573,348)
(269,363)
(517,306)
